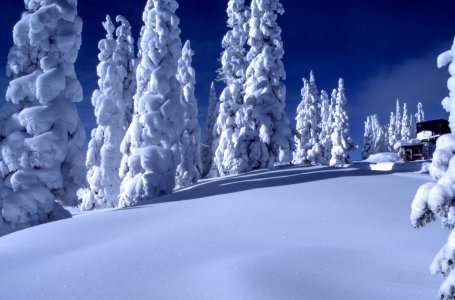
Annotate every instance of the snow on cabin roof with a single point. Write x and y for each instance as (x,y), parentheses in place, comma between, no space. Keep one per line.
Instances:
(407,143)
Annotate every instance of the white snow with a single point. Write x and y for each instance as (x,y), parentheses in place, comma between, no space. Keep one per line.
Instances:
(383,157)
(291,233)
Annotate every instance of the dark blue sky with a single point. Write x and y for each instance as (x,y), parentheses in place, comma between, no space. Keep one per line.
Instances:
(383,49)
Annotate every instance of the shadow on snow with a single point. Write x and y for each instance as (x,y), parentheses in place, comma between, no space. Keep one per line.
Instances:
(280,176)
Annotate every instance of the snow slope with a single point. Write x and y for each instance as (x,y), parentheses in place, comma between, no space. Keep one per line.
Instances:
(291,233)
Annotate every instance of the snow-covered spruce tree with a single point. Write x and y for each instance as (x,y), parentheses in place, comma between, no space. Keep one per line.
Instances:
(113,103)
(189,169)
(391,130)
(308,126)
(412,127)
(232,72)
(331,121)
(368,139)
(210,120)
(41,136)
(266,130)
(379,137)
(326,122)
(341,140)
(435,199)
(405,125)
(420,115)
(125,58)
(398,121)
(151,151)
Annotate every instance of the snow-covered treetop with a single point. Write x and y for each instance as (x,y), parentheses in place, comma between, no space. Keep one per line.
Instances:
(156,36)
(109,27)
(186,74)
(237,15)
(124,30)
(420,115)
(233,57)
(313,87)
(48,38)
(265,12)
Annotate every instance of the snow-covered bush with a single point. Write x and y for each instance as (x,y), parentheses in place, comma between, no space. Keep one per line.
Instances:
(189,169)
(151,151)
(308,120)
(266,130)
(437,199)
(207,145)
(112,102)
(41,162)
(341,140)
(232,72)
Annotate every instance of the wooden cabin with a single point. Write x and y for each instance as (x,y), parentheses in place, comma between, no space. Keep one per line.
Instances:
(424,146)
(428,133)
(411,150)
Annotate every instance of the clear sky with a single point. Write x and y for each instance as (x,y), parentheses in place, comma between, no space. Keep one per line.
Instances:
(383,49)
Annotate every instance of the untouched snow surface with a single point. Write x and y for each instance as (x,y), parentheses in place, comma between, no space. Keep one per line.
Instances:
(291,233)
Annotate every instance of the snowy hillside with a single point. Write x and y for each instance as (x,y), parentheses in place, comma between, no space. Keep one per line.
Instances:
(291,233)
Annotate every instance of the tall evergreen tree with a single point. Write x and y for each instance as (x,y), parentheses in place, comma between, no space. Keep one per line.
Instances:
(232,72)
(398,121)
(189,170)
(112,110)
(266,128)
(124,56)
(368,139)
(405,125)
(151,150)
(341,140)
(436,199)
(308,121)
(206,147)
(412,127)
(392,138)
(41,136)
(379,136)
(326,122)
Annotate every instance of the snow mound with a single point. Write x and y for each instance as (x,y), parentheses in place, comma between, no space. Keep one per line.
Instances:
(384,157)
(275,234)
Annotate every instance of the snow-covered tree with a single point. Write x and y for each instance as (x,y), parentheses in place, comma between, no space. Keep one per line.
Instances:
(206,147)
(41,161)
(379,137)
(125,57)
(232,72)
(398,121)
(113,103)
(368,139)
(420,115)
(405,125)
(151,151)
(412,127)
(326,122)
(308,126)
(266,130)
(391,130)
(189,170)
(436,199)
(341,140)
